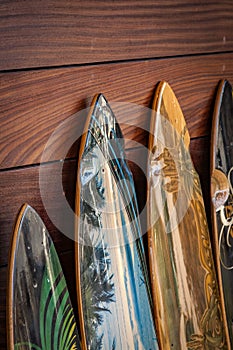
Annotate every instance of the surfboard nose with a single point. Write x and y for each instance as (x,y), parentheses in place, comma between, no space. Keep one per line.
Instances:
(168,107)
(38,297)
(103,125)
(103,143)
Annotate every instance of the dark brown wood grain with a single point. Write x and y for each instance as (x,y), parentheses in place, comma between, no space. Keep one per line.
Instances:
(22,186)
(120,48)
(35,103)
(52,33)
(3,288)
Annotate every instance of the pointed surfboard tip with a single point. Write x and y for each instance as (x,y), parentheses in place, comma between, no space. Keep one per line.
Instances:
(24,212)
(222,85)
(96,99)
(31,246)
(11,262)
(165,104)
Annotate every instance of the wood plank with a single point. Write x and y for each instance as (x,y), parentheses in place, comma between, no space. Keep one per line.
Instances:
(35,103)
(199,149)
(22,186)
(3,288)
(63,33)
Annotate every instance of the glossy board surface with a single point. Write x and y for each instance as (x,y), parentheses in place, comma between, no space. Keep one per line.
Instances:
(40,315)
(222,195)
(112,278)
(185,293)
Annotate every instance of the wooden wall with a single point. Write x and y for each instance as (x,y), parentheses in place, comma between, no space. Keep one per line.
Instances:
(56,55)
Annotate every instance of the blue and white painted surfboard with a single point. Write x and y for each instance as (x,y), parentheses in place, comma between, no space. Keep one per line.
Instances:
(112,279)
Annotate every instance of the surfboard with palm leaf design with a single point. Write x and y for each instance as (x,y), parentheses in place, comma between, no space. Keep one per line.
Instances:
(39,311)
(112,279)
(188,310)
(221,164)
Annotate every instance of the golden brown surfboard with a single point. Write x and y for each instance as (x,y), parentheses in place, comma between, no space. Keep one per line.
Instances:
(221,164)
(185,292)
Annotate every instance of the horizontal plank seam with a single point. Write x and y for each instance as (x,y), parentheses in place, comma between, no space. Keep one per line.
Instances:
(202,137)
(3,266)
(33,165)
(101,63)
(56,161)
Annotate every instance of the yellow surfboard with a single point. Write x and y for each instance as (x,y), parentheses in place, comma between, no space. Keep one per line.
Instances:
(188,311)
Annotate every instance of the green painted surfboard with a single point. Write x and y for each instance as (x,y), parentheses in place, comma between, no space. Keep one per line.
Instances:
(112,279)
(188,310)
(39,311)
(222,196)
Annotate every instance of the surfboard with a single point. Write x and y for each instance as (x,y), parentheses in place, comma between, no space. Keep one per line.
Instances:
(39,311)
(112,279)
(221,164)
(187,308)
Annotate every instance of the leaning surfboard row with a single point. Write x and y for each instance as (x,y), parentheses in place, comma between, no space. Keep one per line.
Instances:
(185,299)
